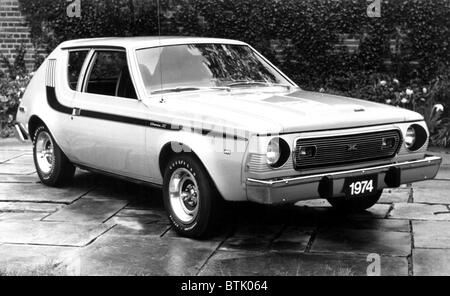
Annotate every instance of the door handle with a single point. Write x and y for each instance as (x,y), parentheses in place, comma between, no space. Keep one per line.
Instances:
(76,111)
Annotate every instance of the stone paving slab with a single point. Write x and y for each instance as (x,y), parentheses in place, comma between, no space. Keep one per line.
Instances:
(362,241)
(24,260)
(40,193)
(22,216)
(315,203)
(101,194)
(308,239)
(33,178)
(137,226)
(431,234)
(419,212)
(22,159)
(431,262)
(374,224)
(50,233)
(17,169)
(29,207)
(88,210)
(255,237)
(112,188)
(304,264)
(218,237)
(144,255)
(246,243)
(13,144)
(258,230)
(7,155)
(152,215)
(432,192)
(395,195)
(378,211)
(292,239)
(444,173)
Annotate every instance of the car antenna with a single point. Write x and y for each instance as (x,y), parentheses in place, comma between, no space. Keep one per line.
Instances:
(158,9)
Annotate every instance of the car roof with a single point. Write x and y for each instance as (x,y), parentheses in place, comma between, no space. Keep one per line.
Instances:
(143,42)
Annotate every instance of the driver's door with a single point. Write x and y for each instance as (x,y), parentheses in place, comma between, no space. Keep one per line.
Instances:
(109,122)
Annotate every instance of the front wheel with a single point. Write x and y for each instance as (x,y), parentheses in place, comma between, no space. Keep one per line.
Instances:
(355,204)
(190,197)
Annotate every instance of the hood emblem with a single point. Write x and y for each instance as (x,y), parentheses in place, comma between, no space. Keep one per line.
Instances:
(359,110)
(352,147)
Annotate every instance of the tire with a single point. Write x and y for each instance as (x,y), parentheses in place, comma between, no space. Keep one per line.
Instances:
(53,167)
(192,202)
(351,205)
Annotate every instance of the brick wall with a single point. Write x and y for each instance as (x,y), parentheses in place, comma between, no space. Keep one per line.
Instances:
(14,32)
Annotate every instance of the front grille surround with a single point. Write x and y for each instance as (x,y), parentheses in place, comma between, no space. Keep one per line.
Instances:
(334,150)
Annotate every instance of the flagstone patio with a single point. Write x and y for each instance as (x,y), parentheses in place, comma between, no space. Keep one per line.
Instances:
(103,226)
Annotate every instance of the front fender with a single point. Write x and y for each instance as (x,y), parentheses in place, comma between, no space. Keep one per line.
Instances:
(223,159)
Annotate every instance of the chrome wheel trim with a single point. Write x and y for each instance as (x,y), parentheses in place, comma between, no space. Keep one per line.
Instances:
(45,156)
(184,195)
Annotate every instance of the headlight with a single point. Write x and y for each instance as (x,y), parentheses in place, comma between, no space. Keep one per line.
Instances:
(278,152)
(410,137)
(416,137)
(273,151)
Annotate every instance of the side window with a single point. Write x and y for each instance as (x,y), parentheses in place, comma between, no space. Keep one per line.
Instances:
(76,60)
(110,75)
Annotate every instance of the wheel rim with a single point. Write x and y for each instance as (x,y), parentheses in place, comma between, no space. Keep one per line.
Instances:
(45,152)
(184,195)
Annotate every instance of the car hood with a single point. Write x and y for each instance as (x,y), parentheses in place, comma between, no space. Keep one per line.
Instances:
(280,112)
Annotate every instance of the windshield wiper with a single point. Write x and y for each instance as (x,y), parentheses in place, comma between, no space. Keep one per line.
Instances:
(188,88)
(175,89)
(250,83)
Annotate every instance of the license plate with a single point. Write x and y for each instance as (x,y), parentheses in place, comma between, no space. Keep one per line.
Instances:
(360,186)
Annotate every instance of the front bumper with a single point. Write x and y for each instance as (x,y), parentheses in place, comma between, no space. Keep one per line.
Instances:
(293,189)
(21,132)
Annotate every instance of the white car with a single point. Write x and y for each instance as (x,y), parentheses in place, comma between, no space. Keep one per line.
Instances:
(211,120)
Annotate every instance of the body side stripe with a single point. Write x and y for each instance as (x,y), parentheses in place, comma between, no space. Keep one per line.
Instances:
(57,106)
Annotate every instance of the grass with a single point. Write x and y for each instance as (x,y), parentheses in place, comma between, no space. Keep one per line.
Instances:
(49,268)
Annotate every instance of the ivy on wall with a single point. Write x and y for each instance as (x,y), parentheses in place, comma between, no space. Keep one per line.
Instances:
(401,58)
(300,36)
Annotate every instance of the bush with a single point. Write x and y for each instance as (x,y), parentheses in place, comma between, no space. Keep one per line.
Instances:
(300,37)
(12,87)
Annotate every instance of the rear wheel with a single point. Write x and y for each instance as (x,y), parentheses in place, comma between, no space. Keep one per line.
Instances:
(354,204)
(191,200)
(52,166)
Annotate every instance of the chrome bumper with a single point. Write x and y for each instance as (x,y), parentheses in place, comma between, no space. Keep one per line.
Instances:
(293,189)
(21,132)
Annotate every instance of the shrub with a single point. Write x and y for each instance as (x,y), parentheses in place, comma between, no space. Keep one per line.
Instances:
(12,87)
(300,37)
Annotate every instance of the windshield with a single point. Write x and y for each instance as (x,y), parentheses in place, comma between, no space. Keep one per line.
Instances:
(196,66)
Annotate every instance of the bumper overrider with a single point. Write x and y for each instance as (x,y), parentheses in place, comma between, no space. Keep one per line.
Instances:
(326,185)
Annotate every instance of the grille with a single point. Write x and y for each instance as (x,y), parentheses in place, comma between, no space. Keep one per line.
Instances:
(339,150)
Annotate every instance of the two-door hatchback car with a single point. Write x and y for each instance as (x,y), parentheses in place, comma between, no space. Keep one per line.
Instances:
(211,120)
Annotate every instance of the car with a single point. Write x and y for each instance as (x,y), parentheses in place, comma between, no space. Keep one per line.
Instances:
(211,121)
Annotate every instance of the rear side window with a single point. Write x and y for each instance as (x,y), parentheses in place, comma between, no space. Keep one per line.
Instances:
(76,60)
(110,75)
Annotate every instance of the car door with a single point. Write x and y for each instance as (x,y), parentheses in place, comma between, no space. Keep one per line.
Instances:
(108,121)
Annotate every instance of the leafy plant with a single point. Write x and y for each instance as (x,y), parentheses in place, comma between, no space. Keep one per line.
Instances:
(12,87)
(407,47)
